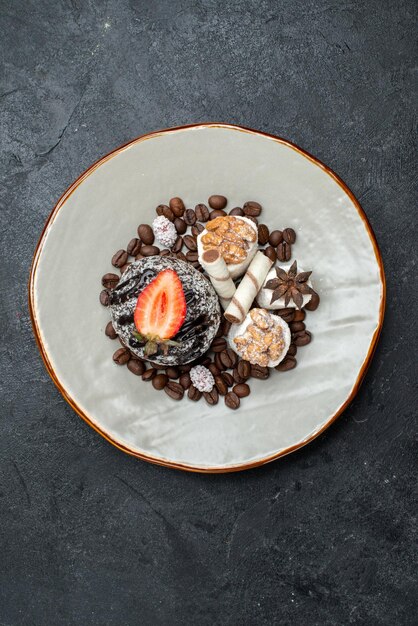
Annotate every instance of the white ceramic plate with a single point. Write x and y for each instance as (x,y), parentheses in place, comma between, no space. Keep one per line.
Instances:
(98,215)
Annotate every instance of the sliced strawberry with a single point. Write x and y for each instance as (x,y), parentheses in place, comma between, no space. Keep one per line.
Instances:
(161,307)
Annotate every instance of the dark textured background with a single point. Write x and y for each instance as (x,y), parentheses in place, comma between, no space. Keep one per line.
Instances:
(90,536)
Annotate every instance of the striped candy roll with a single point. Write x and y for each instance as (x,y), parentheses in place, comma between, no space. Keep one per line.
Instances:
(223,284)
(248,288)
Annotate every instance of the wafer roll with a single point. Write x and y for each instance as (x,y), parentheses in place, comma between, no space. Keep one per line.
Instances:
(248,288)
(223,284)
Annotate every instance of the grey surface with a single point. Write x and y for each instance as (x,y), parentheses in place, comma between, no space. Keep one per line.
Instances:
(91,536)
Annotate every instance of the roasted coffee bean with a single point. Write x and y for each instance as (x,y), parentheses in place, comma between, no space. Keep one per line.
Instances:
(190,242)
(258,371)
(228,358)
(213,369)
(252,209)
(181,256)
(211,397)
(190,217)
(121,356)
(228,378)
(150,250)
(244,369)
(236,376)
(289,235)
(287,314)
(292,350)
(232,401)
(216,213)
(204,360)
(226,326)
(172,372)
(136,366)
(119,258)
(133,247)
(253,219)
(197,266)
(236,211)
(218,362)
(177,206)
(165,252)
(185,380)
(296,327)
(192,257)
(159,381)
(197,229)
(313,302)
(202,212)
(109,281)
(149,374)
(194,394)
(270,252)
(146,234)
(299,316)
(174,390)
(284,251)
(219,332)
(217,202)
(110,331)
(139,256)
(180,225)
(160,209)
(124,268)
(302,338)
(242,390)
(263,234)
(178,244)
(218,345)
(276,237)
(288,363)
(185,368)
(104,297)
(168,213)
(221,385)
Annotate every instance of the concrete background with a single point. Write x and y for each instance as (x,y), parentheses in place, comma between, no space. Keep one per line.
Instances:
(90,536)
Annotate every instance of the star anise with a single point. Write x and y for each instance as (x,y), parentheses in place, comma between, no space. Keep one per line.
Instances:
(290,285)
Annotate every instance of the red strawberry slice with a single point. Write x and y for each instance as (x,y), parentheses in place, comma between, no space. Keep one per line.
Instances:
(161,307)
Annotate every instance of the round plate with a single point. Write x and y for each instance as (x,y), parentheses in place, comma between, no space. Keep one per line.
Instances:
(99,214)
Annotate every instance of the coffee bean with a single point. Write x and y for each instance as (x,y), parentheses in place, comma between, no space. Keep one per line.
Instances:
(136,366)
(221,385)
(219,332)
(190,217)
(203,360)
(213,369)
(236,211)
(252,209)
(283,251)
(165,252)
(185,380)
(185,368)
(190,242)
(211,397)
(110,331)
(232,401)
(174,390)
(292,350)
(289,235)
(178,244)
(270,252)
(181,256)
(313,302)
(217,202)
(253,219)
(263,234)
(202,212)
(146,234)
(228,358)
(295,327)
(287,314)
(169,214)
(109,280)
(236,376)
(218,362)
(192,257)
(133,247)
(119,258)
(177,206)
(172,372)
(159,381)
(104,297)
(124,268)
(149,374)
(218,345)
(194,394)
(226,326)
(160,209)
(197,229)
(242,390)
(302,338)
(228,378)
(244,369)
(121,356)
(258,371)
(198,267)
(180,225)
(288,363)
(276,237)
(150,250)
(139,256)
(299,316)
(216,213)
